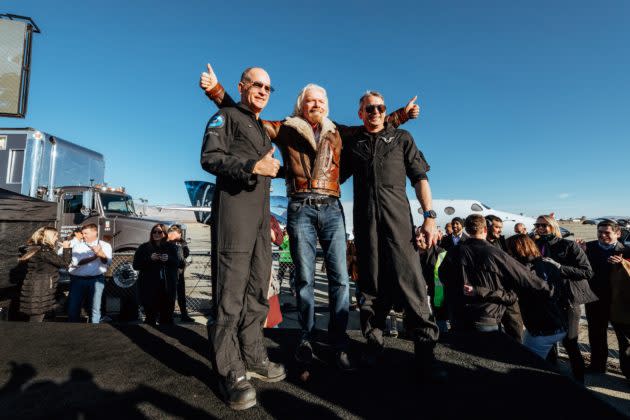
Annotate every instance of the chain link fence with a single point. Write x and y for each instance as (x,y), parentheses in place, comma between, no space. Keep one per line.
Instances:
(121,291)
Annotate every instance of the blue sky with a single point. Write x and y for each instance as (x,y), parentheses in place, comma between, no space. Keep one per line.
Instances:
(524,106)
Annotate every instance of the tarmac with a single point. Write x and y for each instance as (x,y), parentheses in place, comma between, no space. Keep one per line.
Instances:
(108,371)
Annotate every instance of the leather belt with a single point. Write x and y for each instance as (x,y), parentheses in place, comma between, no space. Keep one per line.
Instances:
(310,184)
(313,201)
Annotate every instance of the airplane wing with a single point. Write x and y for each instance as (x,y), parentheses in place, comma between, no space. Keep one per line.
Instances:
(201,209)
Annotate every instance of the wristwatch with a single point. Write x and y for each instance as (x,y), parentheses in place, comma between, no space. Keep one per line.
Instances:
(429,214)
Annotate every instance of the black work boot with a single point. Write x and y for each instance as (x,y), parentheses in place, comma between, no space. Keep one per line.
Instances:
(427,366)
(375,348)
(342,358)
(266,371)
(304,352)
(238,393)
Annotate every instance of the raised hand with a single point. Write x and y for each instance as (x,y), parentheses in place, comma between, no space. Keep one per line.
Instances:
(412,109)
(268,165)
(208,80)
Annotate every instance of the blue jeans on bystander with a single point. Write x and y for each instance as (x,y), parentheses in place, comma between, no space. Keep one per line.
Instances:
(92,287)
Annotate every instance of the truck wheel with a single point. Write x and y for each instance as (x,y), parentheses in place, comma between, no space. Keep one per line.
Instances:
(124,275)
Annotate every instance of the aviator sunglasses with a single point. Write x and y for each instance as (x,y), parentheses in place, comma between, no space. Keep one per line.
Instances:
(371,108)
(260,85)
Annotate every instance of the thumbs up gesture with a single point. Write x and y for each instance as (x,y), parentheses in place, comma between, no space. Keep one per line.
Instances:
(412,109)
(208,79)
(268,165)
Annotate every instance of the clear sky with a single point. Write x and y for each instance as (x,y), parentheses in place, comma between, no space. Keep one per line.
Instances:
(524,105)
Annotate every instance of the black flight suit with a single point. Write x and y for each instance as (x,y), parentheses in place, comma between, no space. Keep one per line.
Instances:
(389,267)
(241,244)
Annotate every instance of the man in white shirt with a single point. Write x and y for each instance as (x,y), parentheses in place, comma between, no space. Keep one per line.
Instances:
(90,259)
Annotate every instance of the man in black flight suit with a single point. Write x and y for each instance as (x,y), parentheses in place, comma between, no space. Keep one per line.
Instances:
(238,151)
(381,158)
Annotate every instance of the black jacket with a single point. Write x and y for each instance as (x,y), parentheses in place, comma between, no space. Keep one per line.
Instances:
(495,277)
(545,315)
(156,276)
(498,243)
(233,142)
(598,258)
(574,267)
(37,278)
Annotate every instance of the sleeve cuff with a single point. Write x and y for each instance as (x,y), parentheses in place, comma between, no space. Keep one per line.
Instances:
(249,166)
(216,91)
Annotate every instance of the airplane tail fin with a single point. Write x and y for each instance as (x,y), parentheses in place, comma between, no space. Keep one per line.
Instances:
(200,194)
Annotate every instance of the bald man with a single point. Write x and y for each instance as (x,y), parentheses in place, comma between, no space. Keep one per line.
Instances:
(238,151)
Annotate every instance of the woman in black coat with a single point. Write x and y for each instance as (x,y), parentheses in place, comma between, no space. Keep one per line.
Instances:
(574,267)
(545,318)
(157,262)
(37,273)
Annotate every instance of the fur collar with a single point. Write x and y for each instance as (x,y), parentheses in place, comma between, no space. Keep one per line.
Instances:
(304,128)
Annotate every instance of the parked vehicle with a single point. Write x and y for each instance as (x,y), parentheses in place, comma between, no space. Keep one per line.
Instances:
(65,183)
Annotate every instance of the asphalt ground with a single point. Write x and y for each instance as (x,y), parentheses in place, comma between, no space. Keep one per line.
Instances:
(82,371)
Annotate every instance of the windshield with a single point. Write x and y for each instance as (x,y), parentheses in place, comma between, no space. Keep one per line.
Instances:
(116,203)
(487,207)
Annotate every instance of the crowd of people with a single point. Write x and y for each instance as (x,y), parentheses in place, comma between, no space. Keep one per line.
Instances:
(160,263)
(532,286)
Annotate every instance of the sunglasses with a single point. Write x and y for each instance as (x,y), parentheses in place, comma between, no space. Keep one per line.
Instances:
(159,232)
(540,225)
(371,108)
(261,86)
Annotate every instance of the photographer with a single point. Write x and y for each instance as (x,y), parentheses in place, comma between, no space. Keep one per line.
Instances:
(157,262)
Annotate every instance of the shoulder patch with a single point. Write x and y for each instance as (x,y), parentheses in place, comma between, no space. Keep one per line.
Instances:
(217,121)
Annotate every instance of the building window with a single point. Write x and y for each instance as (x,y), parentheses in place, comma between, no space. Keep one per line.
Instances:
(16,166)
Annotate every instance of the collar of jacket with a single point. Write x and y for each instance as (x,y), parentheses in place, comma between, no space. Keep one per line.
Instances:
(387,131)
(304,128)
(245,109)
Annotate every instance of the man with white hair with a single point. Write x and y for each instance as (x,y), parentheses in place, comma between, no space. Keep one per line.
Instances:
(311,144)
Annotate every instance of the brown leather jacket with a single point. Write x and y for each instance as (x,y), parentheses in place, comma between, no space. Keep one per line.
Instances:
(310,166)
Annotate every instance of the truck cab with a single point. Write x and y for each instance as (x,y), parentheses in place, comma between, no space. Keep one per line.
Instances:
(111,209)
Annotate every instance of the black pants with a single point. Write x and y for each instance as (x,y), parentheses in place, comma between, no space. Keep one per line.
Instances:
(398,283)
(181,293)
(160,308)
(570,343)
(241,282)
(623,337)
(512,322)
(598,315)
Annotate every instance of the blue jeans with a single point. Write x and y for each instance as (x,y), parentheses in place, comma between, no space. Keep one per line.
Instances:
(79,288)
(541,344)
(307,223)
